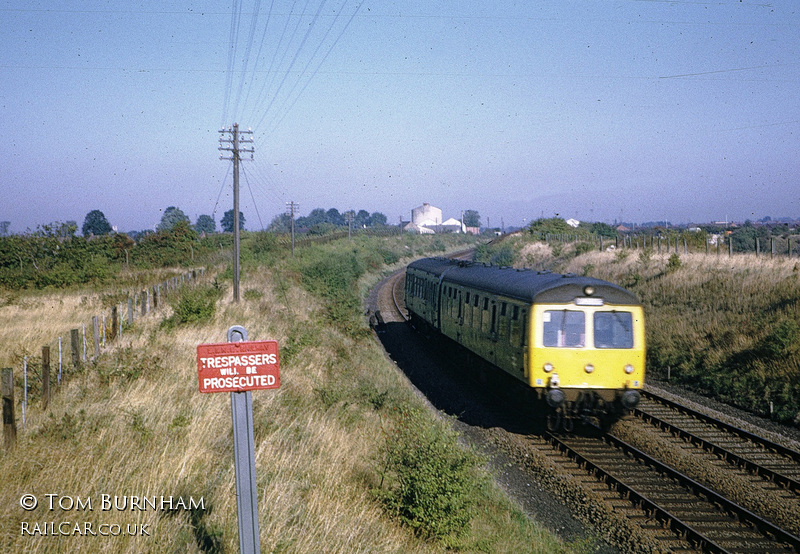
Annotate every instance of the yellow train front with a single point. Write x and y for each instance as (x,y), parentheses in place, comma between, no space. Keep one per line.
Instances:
(578,342)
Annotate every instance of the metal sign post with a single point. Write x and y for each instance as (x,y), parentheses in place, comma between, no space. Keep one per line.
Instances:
(238,367)
(244,460)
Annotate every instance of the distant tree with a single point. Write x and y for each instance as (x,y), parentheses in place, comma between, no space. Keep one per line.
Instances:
(95,224)
(316,217)
(550,225)
(172,216)
(205,224)
(602,229)
(281,223)
(377,219)
(362,219)
(227,221)
(333,217)
(57,229)
(472,218)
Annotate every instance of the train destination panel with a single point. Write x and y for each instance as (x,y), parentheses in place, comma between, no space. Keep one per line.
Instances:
(238,366)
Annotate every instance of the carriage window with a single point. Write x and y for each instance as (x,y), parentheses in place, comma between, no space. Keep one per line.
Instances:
(477,298)
(466,300)
(564,328)
(485,303)
(613,330)
(503,307)
(515,313)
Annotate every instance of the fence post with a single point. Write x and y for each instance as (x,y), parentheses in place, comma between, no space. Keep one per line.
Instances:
(96,335)
(130,311)
(144,302)
(74,340)
(758,246)
(114,322)
(730,245)
(45,376)
(9,423)
(771,247)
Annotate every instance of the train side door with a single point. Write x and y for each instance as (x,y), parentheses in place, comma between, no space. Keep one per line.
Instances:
(460,303)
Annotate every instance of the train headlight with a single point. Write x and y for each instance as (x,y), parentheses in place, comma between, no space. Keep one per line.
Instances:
(588,290)
(548,367)
(629,369)
(589,368)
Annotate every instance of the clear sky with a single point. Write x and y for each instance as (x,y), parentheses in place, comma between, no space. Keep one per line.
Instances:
(596,109)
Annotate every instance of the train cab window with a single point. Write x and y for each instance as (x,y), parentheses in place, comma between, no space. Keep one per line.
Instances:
(564,328)
(613,330)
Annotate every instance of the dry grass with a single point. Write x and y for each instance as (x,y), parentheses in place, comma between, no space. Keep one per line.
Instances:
(133,423)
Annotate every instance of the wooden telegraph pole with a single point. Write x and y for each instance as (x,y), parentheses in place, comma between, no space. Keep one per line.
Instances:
(235,149)
(291,209)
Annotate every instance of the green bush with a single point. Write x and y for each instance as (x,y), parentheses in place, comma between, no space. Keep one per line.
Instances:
(428,479)
(194,305)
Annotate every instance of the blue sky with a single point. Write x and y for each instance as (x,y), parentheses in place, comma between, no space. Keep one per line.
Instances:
(596,109)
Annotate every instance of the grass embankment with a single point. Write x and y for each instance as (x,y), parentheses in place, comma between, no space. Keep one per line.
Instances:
(725,326)
(342,448)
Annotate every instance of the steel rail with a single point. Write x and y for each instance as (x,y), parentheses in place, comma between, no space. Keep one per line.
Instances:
(682,527)
(780,449)
(741,461)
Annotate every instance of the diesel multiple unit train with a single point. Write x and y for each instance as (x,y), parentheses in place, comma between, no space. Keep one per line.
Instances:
(578,342)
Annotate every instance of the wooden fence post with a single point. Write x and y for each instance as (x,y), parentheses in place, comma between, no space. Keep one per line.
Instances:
(74,340)
(96,335)
(114,322)
(45,376)
(9,423)
(144,302)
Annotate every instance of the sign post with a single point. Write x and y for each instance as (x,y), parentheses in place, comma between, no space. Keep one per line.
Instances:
(238,367)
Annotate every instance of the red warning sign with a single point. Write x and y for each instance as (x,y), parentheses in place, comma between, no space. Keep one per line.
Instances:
(238,366)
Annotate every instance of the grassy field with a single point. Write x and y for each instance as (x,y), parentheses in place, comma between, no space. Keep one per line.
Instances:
(132,424)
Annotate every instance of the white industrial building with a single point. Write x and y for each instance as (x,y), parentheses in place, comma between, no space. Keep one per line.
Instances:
(427,219)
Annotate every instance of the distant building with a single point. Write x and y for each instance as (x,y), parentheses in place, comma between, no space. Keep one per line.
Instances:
(573,223)
(427,219)
(426,215)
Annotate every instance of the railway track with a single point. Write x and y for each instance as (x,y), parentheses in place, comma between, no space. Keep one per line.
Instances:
(649,482)
(681,513)
(773,462)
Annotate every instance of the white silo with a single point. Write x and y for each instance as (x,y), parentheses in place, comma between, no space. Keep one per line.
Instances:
(426,215)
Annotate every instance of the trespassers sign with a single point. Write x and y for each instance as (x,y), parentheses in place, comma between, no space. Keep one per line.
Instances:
(238,366)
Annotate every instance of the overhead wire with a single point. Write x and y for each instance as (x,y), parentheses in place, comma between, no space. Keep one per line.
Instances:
(285,79)
(246,61)
(232,44)
(321,63)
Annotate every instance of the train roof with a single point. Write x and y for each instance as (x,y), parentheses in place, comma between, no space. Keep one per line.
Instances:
(523,284)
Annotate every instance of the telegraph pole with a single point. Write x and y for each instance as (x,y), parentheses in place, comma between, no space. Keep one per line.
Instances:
(291,209)
(235,156)
(348,217)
